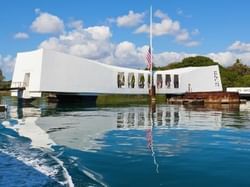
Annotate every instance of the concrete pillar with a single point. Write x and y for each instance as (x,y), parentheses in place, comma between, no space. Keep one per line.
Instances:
(152,94)
(19,98)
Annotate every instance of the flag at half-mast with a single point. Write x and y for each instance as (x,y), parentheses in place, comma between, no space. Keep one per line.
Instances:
(148,57)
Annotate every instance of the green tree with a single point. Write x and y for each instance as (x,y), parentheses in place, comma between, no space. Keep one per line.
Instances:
(239,68)
(190,61)
(228,78)
(198,61)
(243,81)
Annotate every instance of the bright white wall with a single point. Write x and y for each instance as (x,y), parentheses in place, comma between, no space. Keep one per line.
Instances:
(28,62)
(203,79)
(52,71)
(66,73)
(171,89)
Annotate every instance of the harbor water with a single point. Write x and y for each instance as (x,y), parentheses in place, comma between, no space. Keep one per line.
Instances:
(138,145)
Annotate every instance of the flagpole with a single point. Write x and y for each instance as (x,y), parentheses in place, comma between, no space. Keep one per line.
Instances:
(151,67)
(151,43)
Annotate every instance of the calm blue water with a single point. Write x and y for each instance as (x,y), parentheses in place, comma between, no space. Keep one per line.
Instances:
(175,146)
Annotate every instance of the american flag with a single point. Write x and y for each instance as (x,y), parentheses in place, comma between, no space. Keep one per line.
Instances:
(148,57)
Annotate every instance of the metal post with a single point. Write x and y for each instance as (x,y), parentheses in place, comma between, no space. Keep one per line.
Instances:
(152,91)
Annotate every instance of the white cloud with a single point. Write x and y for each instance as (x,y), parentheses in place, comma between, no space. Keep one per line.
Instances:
(239,46)
(137,55)
(142,29)
(54,43)
(125,49)
(183,35)
(224,58)
(7,65)
(76,24)
(162,59)
(245,58)
(167,26)
(47,23)
(91,42)
(21,35)
(126,54)
(237,50)
(95,43)
(130,20)
(159,14)
(99,32)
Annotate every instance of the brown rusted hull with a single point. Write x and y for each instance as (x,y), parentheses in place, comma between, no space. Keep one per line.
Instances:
(207,97)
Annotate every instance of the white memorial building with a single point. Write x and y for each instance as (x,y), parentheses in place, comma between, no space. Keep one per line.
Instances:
(46,71)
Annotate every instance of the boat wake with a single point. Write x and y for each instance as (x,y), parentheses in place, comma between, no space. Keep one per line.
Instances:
(42,167)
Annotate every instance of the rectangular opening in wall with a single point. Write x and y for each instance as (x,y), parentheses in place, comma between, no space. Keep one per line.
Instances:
(26,80)
(159,80)
(168,80)
(141,80)
(131,80)
(176,81)
(120,79)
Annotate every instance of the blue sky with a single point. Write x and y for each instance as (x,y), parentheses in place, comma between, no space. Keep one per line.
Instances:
(115,31)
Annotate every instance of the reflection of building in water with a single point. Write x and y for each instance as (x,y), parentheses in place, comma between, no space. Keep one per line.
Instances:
(141,117)
(245,107)
(26,126)
(169,117)
(85,129)
(75,129)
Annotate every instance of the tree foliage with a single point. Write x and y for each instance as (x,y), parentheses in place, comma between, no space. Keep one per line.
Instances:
(237,75)
(190,61)
(239,68)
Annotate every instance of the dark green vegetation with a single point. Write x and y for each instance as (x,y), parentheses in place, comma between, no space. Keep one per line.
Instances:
(237,75)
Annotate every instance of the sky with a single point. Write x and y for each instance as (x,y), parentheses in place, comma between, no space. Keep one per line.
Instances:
(116,32)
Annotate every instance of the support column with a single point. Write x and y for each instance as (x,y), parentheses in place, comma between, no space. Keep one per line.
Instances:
(19,98)
(152,94)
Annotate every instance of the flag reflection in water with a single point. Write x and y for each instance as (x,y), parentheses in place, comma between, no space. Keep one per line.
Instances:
(149,135)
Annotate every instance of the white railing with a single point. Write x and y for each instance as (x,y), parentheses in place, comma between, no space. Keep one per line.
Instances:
(18,85)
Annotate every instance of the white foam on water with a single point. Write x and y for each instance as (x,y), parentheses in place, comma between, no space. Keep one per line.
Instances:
(65,173)
(94,176)
(38,164)
(35,163)
(39,139)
